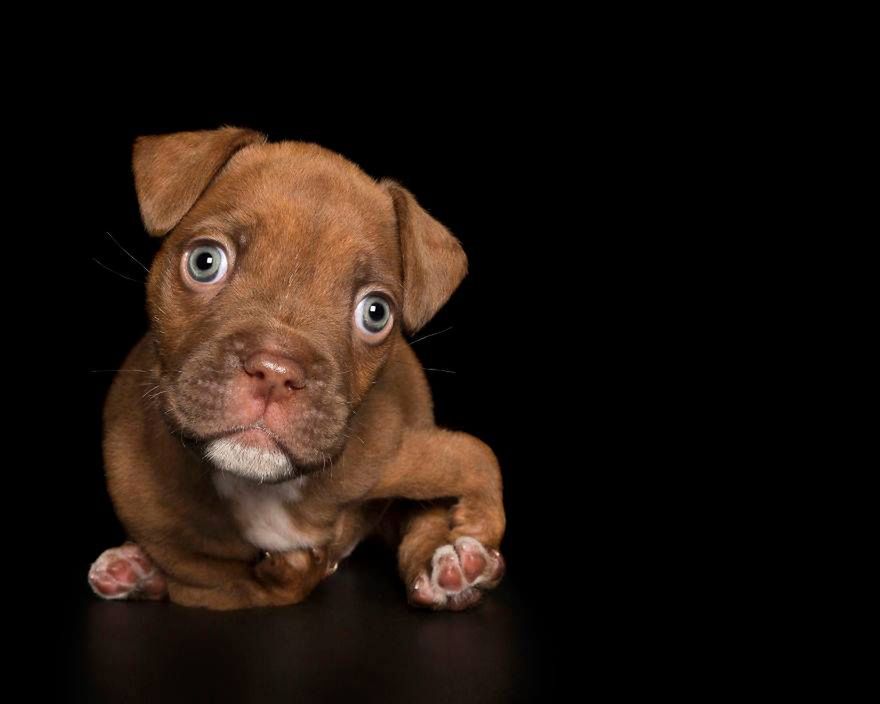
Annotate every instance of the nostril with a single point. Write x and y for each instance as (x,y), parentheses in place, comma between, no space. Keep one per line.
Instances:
(274,374)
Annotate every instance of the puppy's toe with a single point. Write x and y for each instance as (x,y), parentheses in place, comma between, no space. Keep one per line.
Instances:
(474,559)
(126,572)
(481,567)
(446,569)
(422,593)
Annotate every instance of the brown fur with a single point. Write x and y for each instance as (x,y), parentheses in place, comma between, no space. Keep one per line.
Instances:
(306,229)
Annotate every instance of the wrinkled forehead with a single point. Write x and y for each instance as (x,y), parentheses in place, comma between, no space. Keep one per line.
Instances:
(296,208)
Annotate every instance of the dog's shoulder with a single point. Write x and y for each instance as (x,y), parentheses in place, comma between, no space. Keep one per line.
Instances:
(403,380)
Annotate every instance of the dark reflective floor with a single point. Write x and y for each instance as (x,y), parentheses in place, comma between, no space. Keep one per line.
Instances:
(354,640)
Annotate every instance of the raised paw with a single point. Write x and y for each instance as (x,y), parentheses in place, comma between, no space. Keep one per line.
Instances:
(126,572)
(457,576)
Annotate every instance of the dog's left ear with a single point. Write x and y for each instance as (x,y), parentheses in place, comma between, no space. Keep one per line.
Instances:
(433,261)
(171,171)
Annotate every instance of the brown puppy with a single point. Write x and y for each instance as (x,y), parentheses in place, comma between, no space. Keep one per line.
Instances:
(274,411)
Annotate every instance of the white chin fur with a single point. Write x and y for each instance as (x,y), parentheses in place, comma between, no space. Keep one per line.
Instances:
(250,462)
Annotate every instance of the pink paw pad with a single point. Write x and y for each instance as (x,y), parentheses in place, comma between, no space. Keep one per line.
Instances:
(457,575)
(126,572)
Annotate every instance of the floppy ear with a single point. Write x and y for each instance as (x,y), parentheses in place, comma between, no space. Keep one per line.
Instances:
(171,171)
(433,261)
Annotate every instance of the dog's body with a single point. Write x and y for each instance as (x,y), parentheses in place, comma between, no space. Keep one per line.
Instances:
(274,413)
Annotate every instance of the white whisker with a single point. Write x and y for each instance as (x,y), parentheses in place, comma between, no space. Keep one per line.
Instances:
(425,337)
(112,271)
(136,261)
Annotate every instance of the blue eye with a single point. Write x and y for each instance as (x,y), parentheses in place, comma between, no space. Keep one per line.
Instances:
(207,263)
(373,315)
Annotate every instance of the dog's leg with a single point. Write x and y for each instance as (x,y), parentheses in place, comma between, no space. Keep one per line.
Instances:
(447,556)
(278,579)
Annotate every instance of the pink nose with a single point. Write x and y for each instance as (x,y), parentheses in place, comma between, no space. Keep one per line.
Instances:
(274,377)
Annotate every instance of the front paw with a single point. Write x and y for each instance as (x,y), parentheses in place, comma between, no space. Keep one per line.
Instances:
(457,576)
(127,572)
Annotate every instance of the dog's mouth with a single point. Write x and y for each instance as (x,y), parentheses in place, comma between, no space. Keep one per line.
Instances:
(255,435)
(240,432)
(253,452)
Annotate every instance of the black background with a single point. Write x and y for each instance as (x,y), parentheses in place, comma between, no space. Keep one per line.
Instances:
(517,340)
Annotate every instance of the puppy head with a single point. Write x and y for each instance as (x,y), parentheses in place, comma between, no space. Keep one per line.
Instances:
(284,281)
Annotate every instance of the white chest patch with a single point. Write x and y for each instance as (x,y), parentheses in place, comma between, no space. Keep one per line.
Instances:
(261,511)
